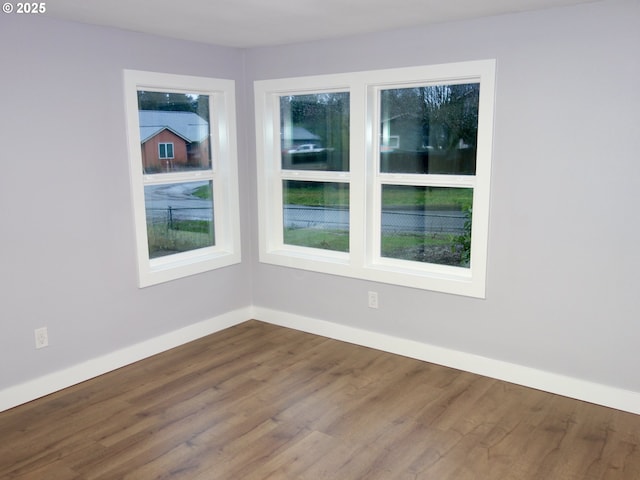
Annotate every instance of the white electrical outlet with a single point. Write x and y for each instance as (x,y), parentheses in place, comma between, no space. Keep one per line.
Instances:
(373,299)
(42,337)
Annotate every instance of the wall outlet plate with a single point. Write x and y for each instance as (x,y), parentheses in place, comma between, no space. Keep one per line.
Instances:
(373,299)
(42,337)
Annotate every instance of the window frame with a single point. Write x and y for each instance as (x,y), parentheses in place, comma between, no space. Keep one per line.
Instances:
(365,179)
(223,174)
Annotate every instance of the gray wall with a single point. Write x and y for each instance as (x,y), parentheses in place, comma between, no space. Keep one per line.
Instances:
(562,276)
(67,256)
(563,266)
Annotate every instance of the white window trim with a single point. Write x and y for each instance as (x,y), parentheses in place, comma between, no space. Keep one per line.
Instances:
(362,262)
(224,175)
(166,157)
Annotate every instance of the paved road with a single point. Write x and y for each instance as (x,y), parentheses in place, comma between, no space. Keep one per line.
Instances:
(419,221)
(178,196)
(158,199)
(423,221)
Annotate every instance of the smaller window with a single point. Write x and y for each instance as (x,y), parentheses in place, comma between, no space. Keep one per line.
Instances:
(184,180)
(165,151)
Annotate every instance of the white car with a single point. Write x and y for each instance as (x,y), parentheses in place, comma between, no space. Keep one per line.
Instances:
(306,148)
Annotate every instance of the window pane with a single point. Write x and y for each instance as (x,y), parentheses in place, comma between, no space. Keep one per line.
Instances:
(427,224)
(179,217)
(314,131)
(174,131)
(316,214)
(430,129)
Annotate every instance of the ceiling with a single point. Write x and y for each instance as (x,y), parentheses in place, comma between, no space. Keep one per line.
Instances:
(254,23)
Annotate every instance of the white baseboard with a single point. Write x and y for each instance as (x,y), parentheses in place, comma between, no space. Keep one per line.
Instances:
(591,392)
(529,377)
(39,387)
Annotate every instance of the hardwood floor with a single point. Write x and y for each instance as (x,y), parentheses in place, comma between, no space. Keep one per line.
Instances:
(258,401)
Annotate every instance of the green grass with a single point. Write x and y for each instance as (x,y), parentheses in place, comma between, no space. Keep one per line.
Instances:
(399,241)
(336,240)
(317,194)
(442,249)
(198,226)
(203,192)
(185,236)
(434,248)
(427,197)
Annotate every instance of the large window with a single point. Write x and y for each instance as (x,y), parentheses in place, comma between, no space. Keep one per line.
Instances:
(183,173)
(381,175)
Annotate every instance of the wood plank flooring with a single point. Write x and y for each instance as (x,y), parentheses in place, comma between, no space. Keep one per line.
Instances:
(257,402)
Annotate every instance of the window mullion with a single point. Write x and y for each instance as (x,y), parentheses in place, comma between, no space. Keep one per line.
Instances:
(358,134)
(453,181)
(315,176)
(177,177)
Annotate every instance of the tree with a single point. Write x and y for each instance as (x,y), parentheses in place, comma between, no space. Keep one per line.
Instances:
(444,114)
(174,102)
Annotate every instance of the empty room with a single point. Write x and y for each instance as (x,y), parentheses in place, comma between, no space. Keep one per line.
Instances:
(301,240)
